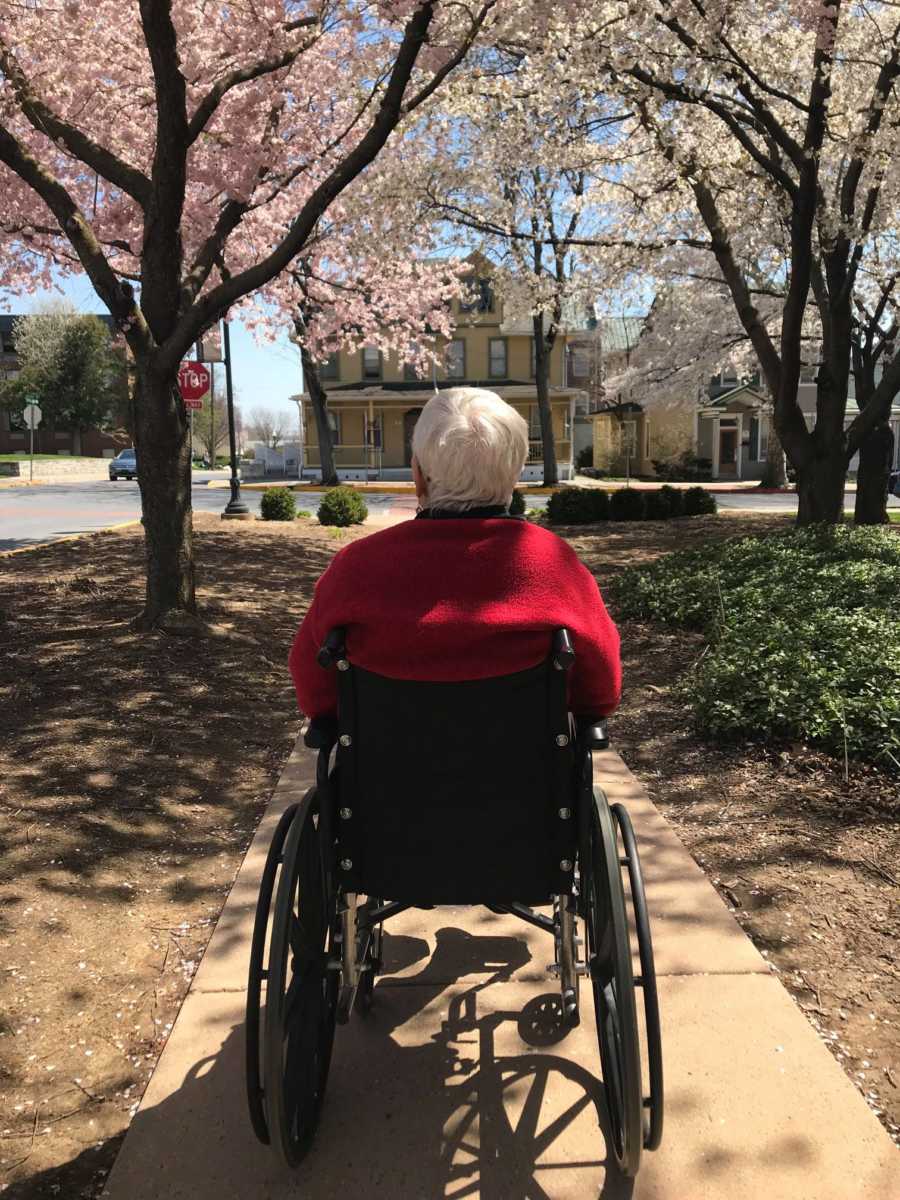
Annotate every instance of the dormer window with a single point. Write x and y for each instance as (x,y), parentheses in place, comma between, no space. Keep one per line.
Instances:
(479,297)
(371,362)
(330,368)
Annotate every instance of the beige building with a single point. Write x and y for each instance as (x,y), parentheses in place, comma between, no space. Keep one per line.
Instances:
(374,400)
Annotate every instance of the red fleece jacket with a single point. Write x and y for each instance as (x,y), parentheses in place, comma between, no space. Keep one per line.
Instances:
(458,599)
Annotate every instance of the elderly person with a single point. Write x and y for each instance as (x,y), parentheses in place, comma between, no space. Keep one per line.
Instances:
(464,591)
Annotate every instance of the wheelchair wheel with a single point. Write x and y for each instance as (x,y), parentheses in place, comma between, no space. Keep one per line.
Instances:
(653,1104)
(609,961)
(301,989)
(257,974)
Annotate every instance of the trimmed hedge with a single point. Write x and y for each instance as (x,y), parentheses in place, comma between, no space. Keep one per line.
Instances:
(627,504)
(577,506)
(342,506)
(278,504)
(698,501)
(804,638)
(584,506)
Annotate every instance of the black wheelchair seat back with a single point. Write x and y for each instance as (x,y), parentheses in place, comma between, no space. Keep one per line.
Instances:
(455,793)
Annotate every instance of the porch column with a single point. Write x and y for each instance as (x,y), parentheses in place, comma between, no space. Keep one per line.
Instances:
(740,446)
(370,438)
(715,447)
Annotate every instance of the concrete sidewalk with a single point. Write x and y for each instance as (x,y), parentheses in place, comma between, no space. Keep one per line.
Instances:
(451,1089)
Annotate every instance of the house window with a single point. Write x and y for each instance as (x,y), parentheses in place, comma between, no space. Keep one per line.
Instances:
(567,424)
(456,359)
(534,423)
(411,373)
(330,368)
(497,358)
(578,364)
(479,297)
(646,437)
(629,438)
(763,439)
(371,362)
(334,424)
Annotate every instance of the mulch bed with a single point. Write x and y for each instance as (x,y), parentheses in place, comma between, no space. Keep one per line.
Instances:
(133,771)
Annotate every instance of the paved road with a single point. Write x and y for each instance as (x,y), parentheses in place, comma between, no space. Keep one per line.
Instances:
(29,516)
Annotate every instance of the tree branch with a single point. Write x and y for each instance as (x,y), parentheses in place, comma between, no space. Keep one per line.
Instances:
(220,298)
(113,169)
(74,226)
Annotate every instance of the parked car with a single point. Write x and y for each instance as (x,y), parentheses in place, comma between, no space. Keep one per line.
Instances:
(125,463)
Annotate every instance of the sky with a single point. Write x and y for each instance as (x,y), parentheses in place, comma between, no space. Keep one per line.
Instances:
(266,374)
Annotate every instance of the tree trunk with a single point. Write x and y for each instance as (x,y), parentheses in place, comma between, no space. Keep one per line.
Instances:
(162,444)
(774,473)
(820,489)
(319,398)
(542,381)
(876,456)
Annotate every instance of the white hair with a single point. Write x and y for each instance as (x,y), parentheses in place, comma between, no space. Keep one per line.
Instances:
(470,446)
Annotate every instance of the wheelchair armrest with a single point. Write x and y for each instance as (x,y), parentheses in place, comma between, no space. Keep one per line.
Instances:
(321,733)
(593,732)
(332,649)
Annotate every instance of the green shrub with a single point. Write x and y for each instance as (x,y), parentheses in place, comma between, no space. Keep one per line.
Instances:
(303,512)
(627,504)
(683,467)
(803,632)
(517,503)
(698,501)
(342,506)
(675,497)
(577,506)
(278,504)
(584,458)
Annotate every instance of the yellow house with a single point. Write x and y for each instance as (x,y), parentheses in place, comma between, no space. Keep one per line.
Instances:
(374,400)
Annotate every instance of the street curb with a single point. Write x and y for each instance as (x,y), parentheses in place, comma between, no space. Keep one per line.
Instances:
(403,486)
(69,537)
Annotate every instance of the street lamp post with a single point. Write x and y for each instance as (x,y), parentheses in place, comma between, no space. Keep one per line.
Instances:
(236,508)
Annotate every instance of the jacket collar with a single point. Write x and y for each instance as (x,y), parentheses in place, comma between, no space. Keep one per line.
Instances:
(485,512)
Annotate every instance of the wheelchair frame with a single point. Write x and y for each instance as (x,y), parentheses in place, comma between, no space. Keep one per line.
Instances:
(317,949)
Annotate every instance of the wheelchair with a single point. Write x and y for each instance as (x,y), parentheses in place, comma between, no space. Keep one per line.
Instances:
(477,792)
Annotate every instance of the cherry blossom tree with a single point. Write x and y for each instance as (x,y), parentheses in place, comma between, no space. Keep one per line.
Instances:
(764,133)
(182,157)
(508,166)
(372,277)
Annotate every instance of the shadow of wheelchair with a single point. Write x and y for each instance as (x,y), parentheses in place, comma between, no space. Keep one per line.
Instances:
(507,1120)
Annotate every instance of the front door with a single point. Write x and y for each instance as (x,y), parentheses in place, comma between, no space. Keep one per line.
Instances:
(728,452)
(409,423)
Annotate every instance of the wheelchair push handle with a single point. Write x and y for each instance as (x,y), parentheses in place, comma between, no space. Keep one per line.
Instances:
(563,650)
(331,649)
(593,732)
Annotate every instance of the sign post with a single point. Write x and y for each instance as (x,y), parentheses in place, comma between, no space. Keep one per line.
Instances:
(32,417)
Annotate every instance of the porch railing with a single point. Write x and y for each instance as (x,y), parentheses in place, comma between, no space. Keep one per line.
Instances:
(536,451)
(360,458)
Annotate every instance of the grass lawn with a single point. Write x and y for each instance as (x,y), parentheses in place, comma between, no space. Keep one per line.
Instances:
(55,457)
(134,772)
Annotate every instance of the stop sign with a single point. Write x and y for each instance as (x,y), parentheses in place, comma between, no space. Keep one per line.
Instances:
(193,380)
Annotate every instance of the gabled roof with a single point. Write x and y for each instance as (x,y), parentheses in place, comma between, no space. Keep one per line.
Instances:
(746,393)
(621,332)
